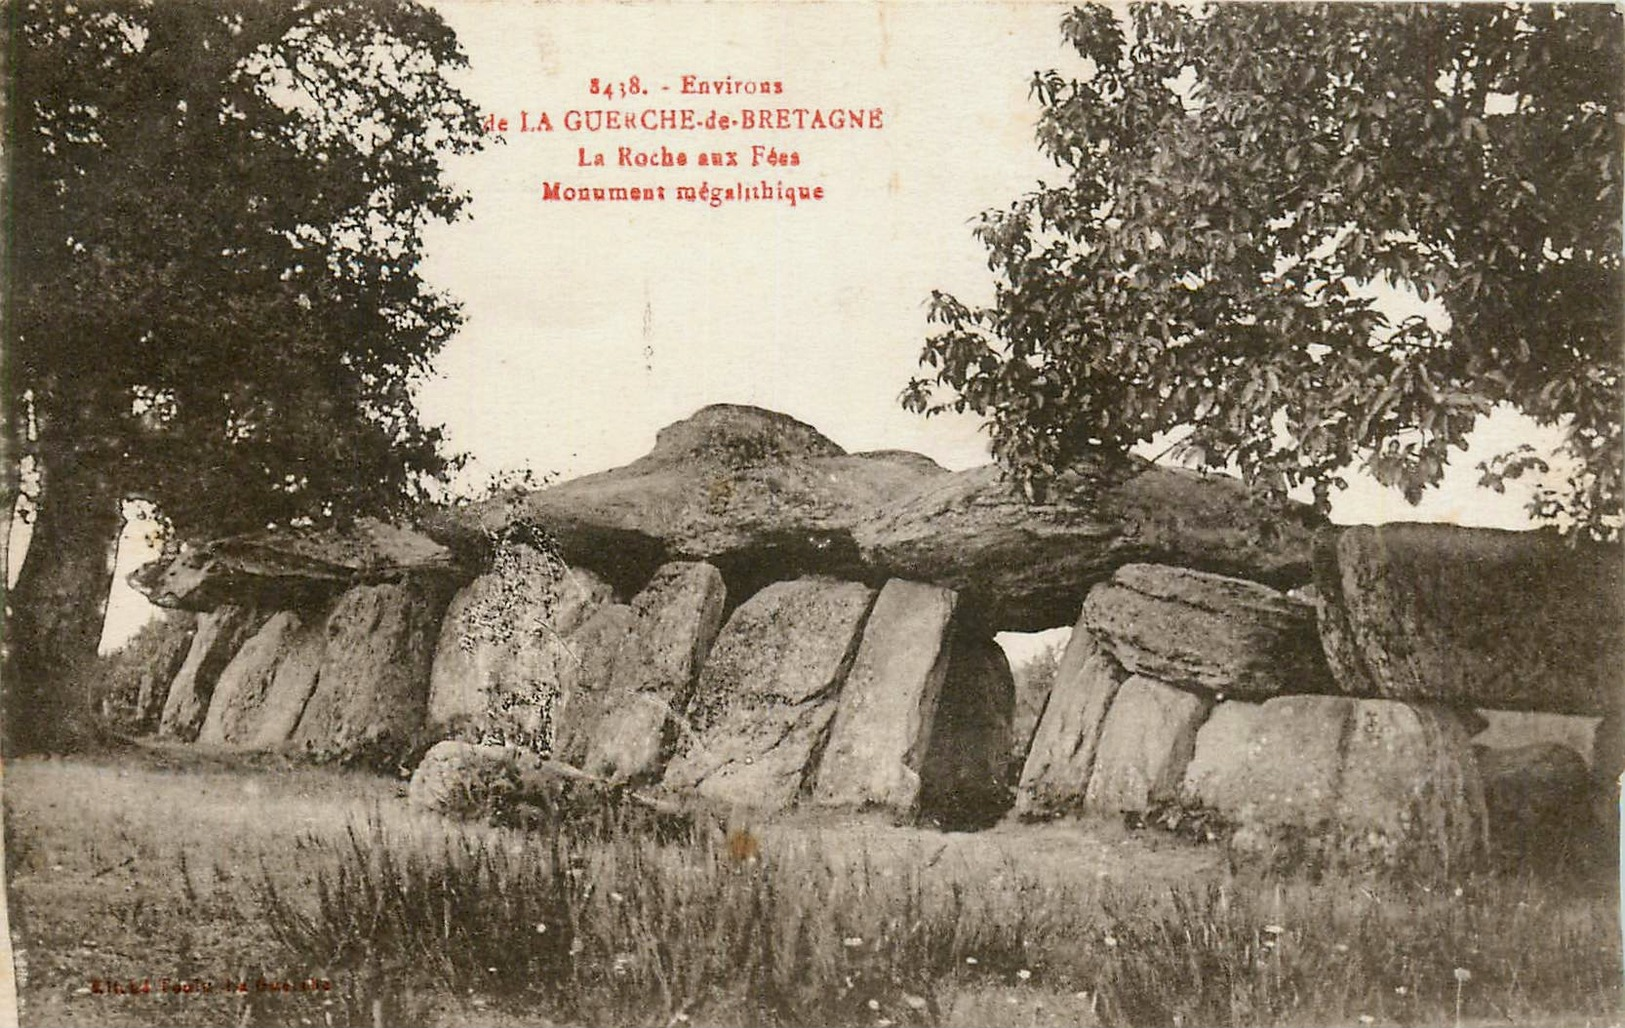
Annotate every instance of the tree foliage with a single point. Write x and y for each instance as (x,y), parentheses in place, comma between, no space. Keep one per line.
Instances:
(1246,181)
(217,218)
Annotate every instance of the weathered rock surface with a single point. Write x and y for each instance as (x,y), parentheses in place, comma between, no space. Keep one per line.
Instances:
(1025,565)
(1145,745)
(505,784)
(768,693)
(755,493)
(372,689)
(585,682)
(1204,631)
(883,725)
(502,640)
(1271,769)
(289,568)
(1473,617)
(292,685)
(154,677)
(964,783)
(1410,788)
(218,637)
(764,497)
(1536,795)
(1062,756)
(246,681)
(1341,781)
(676,619)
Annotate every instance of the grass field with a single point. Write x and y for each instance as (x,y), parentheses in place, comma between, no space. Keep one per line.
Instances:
(255,892)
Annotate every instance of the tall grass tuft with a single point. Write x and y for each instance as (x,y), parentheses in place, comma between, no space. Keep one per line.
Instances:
(624,929)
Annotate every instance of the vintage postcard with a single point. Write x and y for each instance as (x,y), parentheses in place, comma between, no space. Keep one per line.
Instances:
(797,513)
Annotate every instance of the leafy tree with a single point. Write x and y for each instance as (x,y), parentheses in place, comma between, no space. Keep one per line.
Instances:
(214,304)
(1243,181)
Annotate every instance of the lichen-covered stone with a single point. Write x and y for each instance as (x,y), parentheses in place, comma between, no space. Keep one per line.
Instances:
(585,680)
(676,619)
(504,633)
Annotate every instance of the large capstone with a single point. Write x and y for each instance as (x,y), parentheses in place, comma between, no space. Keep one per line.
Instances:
(372,689)
(1201,631)
(675,620)
(761,714)
(287,568)
(219,635)
(882,728)
(1062,756)
(755,493)
(764,497)
(1473,617)
(1026,564)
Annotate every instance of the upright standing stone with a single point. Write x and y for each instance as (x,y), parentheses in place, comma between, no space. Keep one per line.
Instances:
(219,634)
(291,688)
(1341,781)
(768,693)
(1145,745)
(677,617)
(883,726)
(152,688)
(1538,797)
(1272,771)
(504,632)
(372,689)
(594,648)
(1062,756)
(246,681)
(964,781)
(1410,789)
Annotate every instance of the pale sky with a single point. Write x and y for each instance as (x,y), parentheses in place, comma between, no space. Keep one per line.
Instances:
(591,326)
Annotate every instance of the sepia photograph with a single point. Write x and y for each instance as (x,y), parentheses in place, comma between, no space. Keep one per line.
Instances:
(805,513)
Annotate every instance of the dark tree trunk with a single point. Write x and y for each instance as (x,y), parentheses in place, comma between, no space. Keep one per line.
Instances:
(57,608)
